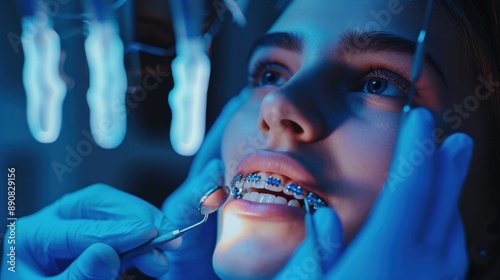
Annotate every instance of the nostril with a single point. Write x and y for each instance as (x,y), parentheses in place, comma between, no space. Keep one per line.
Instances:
(295,126)
(264,126)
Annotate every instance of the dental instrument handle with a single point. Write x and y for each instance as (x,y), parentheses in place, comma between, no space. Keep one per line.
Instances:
(311,230)
(419,57)
(309,221)
(158,241)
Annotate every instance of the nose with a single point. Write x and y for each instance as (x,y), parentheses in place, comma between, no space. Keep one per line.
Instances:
(288,114)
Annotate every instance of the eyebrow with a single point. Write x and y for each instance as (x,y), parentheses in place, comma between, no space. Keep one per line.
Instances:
(351,42)
(376,41)
(284,40)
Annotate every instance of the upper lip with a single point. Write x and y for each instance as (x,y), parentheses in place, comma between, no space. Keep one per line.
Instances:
(279,163)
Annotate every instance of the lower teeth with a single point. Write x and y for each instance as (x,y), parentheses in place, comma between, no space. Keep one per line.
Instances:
(269,198)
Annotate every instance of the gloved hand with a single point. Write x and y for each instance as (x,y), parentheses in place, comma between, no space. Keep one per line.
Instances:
(193,260)
(414,230)
(80,235)
(319,251)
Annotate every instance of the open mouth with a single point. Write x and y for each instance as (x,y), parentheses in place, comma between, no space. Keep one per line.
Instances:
(262,187)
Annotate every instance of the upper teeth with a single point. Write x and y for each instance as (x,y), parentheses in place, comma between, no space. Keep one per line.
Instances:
(242,189)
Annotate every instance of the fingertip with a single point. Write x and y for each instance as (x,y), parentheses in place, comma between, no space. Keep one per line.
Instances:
(101,187)
(99,261)
(416,125)
(154,263)
(460,138)
(106,256)
(457,142)
(419,115)
(327,218)
(459,147)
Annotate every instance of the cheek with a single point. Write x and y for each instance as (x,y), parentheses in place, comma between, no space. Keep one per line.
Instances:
(241,136)
(363,155)
(368,140)
(368,151)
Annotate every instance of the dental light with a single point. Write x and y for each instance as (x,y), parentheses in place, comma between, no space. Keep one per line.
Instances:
(108,83)
(107,76)
(191,73)
(45,90)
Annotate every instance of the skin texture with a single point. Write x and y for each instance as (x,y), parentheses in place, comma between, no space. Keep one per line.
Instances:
(315,107)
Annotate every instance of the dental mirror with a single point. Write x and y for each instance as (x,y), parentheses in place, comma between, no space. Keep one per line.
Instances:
(209,203)
(213,199)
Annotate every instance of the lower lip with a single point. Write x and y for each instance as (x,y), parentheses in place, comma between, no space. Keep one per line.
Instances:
(264,211)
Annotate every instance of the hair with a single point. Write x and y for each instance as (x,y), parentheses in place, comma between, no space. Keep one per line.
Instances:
(479,29)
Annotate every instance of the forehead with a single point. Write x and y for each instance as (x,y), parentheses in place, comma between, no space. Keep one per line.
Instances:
(323,21)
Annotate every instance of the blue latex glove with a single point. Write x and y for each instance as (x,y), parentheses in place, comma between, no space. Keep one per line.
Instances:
(193,260)
(316,255)
(414,230)
(80,236)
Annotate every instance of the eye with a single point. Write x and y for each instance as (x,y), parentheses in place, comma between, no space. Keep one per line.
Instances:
(271,77)
(376,85)
(268,74)
(385,83)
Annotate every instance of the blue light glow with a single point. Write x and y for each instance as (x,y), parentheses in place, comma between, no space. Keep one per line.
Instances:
(108,84)
(188,98)
(45,90)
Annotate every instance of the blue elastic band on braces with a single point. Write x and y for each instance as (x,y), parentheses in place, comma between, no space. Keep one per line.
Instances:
(273,181)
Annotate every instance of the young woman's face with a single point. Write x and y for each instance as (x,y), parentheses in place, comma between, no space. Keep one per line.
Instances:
(327,85)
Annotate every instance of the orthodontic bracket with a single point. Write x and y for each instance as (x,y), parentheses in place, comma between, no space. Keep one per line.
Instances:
(235,191)
(312,198)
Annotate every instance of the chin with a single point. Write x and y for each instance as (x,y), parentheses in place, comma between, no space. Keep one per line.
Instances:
(256,240)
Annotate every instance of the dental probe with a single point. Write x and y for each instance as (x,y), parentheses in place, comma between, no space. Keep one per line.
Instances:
(208,204)
(311,229)
(419,57)
(158,241)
